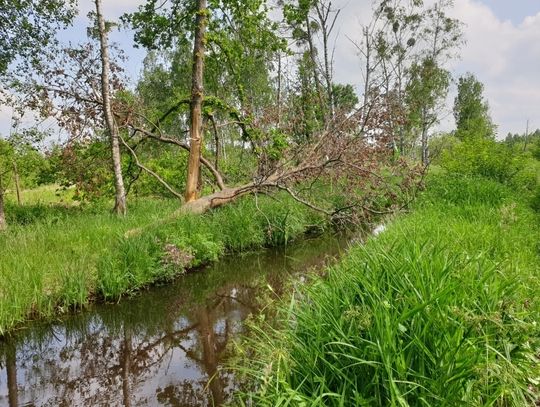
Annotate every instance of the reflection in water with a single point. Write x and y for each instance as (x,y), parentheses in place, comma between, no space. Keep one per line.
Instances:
(164,347)
(11,373)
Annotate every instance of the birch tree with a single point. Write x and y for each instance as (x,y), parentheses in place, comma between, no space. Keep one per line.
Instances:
(120,193)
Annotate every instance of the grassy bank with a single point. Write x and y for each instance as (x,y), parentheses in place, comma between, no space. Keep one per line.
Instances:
(54,259)
(442,309)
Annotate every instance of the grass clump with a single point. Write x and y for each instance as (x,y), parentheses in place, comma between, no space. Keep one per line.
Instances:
(48,262)
(442,309)
(162,252)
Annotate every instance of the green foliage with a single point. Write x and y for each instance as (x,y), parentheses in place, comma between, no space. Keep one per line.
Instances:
(50,255)
(306,114)
(439,310)
(6,157)
(482,156)
(31,27)
(536,149)
(169,162)
(279,143)
(87,167)
(427,88)
(345,98)
(241,43)
(503,162)
(535,201)
(471,111)
(238,43)
(19,157)
(56,258)
(525,141)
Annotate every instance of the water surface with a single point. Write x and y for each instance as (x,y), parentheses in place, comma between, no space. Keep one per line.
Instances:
(164,347)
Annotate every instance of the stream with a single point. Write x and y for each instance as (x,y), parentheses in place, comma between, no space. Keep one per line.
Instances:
(161,347)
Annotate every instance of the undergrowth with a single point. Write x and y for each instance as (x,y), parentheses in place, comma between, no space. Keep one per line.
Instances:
(441,309)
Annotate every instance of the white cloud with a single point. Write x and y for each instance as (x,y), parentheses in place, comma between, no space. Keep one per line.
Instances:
(5,120)
(506,58)
(111,8)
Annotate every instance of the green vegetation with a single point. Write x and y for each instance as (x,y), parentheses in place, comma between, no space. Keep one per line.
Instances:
(441,309)
(162,251)
(56,258)
(49,258)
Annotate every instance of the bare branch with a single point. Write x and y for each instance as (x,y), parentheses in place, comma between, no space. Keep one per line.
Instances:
(171,140)
(149,171)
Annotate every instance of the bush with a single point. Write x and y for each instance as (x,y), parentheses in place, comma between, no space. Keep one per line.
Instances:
(484,157)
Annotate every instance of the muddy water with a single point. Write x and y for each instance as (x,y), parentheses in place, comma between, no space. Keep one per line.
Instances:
(160,348)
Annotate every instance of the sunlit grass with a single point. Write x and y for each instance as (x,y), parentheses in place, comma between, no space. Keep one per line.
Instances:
(55,258)
(44,194)
(442,309)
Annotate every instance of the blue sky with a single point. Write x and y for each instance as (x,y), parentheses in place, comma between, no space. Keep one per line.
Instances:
(502,50)
(513,10)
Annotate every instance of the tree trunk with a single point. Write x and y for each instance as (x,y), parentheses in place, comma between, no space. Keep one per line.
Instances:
(210,355)
(225,196)
(279,91)
(425,155)
(313,59)
(120,192)
(425,126)
(367,79)
(17,183)
(3,224)
(195,129)
(217,144)
(324,11)
(328,75)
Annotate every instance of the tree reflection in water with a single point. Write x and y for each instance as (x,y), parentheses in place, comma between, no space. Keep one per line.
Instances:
(164,347)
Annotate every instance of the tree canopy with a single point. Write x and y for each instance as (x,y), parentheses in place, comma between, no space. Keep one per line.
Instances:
(471,110)
(30,25)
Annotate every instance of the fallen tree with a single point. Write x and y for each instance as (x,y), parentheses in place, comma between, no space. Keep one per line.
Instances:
(354,155)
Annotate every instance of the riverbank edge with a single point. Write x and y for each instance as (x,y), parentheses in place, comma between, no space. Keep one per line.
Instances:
(383,328)
(159,254)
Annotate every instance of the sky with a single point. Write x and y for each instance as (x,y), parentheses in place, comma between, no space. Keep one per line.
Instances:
(502,49)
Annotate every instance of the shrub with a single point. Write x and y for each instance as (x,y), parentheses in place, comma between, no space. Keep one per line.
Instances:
(484,157)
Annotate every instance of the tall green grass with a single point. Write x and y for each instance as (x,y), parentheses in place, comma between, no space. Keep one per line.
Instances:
(49,255)
(442,309)
(54,259)
(249,224)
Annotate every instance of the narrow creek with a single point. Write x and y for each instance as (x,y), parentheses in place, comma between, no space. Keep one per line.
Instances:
(161,347)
